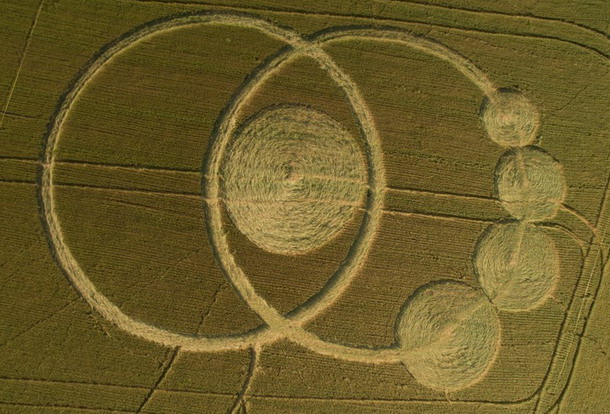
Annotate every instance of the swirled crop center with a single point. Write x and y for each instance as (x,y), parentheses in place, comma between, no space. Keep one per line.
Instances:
(450,335)
(292,178)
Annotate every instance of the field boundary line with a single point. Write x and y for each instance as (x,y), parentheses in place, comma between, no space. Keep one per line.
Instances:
(21,60)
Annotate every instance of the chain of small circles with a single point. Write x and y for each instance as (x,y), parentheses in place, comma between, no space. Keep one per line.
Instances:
(516,263)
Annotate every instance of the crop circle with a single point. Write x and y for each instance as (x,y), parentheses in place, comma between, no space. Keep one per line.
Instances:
(510,119)
(517,266)
(530,184)
(292,178)
(450,335)
(275,323)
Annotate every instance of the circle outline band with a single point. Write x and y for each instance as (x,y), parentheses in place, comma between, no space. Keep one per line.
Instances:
(277,326)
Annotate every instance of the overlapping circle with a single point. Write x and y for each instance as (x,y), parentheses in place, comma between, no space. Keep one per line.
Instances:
(277,326)
(478,320)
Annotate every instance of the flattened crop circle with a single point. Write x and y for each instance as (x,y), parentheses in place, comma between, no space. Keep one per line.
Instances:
(276,323)
(450,334)
(292,178)
(211,188)
(517,265)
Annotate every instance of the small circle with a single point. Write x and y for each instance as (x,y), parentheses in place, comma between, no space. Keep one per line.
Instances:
(292,178)
(510,119)
(450,335)
(517,266)
(530,183)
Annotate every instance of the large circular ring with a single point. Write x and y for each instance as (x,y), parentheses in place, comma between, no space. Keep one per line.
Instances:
(275,322)
(277,325)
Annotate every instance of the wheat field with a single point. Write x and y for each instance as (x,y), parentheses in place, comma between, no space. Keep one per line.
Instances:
(304,207)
